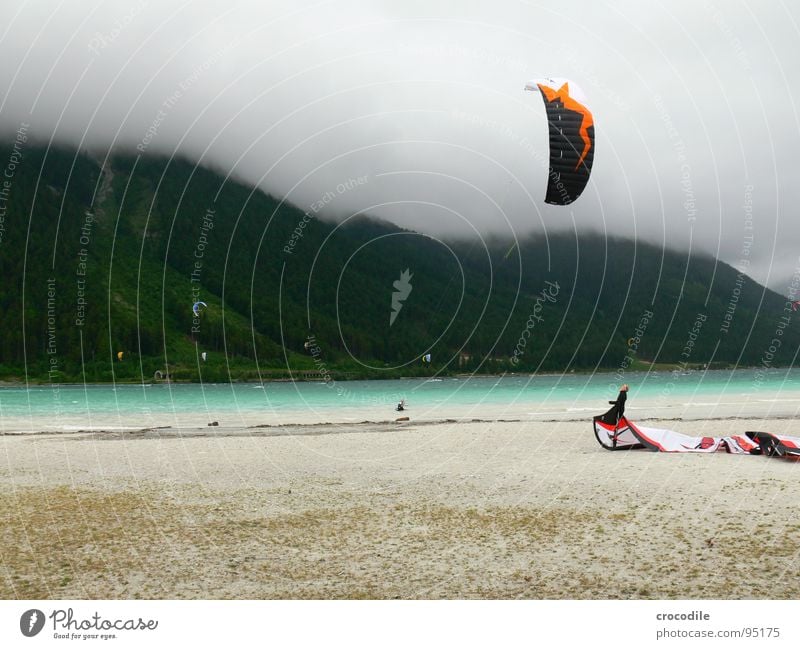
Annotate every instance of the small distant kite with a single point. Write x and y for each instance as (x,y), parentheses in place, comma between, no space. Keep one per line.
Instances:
(426,358)
(203,356)
(196,308)
(795,304)
(120,355)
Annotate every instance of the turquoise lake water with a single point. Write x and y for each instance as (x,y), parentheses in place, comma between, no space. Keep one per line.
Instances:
(473,396)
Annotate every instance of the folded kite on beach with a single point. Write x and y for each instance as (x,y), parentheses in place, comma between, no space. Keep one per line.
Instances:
(622,434)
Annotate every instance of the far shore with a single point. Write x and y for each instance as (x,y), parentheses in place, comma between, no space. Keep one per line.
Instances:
(347,376)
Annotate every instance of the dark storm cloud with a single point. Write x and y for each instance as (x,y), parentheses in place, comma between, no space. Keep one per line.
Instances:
(695,105)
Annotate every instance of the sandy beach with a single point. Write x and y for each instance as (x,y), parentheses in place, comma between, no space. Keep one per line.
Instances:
(482,509)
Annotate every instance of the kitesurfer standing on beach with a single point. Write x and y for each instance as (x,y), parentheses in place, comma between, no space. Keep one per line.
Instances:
(620,402)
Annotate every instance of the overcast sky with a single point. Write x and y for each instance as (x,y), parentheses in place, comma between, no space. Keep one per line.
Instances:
(695,106)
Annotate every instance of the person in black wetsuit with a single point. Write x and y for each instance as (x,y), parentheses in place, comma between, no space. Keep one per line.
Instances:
(619,404)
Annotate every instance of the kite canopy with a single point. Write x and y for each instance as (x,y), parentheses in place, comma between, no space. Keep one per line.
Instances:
(622,434)
(196,308)
(426,358)
(120,355)
(571,139)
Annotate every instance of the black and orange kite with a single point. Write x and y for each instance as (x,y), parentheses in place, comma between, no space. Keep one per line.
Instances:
(571,139)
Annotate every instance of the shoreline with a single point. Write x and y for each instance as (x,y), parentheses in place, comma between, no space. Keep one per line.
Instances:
(341,427)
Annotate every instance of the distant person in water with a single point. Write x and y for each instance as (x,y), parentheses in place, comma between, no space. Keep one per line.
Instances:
(401,406)
(619,404)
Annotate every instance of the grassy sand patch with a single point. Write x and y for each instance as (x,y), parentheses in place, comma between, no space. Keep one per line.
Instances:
(142,543)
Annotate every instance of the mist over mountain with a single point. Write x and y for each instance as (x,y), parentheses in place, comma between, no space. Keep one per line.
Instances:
(695,106)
